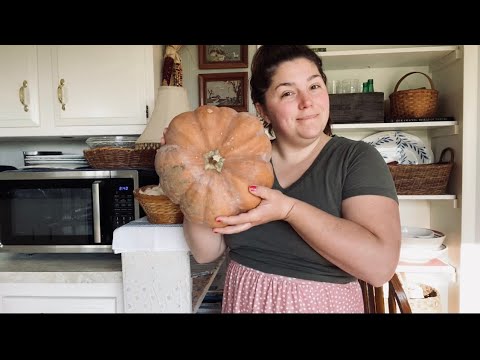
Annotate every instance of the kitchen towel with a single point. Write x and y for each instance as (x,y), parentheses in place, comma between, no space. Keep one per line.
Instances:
(142,236)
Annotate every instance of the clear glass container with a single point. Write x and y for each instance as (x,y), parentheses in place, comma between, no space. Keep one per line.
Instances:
(111,141)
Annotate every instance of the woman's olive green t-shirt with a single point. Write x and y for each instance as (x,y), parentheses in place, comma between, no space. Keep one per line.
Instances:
(344,168)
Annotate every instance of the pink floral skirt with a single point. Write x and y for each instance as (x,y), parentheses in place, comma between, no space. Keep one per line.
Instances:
(251,291)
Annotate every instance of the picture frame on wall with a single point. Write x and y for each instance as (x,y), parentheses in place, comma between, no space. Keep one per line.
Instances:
(222,56)
(224,89)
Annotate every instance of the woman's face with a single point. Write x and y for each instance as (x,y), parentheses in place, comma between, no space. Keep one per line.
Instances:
(297,102)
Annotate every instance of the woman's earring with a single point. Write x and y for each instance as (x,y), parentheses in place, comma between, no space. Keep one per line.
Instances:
(268,128)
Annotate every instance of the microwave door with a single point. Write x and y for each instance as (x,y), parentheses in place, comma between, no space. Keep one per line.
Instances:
(64,211)
(47,212)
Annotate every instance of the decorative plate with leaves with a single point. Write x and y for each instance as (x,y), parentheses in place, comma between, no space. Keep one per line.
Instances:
(400,146)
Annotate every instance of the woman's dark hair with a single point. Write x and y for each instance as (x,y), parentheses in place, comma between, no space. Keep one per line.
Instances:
(266,61)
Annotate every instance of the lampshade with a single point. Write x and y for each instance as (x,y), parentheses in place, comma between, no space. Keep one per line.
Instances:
(171,101)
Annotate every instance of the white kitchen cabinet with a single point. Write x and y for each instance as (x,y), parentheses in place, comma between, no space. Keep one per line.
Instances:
(454,71)
(77,90)
(18,86)
(61,283)
(61,298)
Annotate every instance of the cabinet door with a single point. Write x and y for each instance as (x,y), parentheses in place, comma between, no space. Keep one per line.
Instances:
(18,74)
(61,297)
(46,304)
(99,84)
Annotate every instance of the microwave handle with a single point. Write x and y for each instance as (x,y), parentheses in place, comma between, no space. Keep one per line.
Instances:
(97,233)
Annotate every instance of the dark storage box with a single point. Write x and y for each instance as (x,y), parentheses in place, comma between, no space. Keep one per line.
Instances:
(357,108)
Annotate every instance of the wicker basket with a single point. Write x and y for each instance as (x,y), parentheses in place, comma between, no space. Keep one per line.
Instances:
(159,208)
(423,179)
(120,158)
(416,103)
(429,304)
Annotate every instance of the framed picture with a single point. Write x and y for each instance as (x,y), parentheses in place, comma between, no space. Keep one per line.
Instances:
(222,56)
(224,89)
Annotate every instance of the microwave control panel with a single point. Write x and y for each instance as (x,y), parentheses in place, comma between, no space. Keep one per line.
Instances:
(123,203)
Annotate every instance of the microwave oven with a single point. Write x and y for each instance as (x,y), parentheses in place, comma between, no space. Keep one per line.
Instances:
(67,211)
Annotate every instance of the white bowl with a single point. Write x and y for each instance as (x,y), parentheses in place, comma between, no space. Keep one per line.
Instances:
(416,232)
(426,243)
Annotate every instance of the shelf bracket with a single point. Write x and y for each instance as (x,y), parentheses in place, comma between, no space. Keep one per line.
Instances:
(456,203)
(446,60)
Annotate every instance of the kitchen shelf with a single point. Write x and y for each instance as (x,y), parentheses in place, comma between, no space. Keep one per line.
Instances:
(389,57)
(451,198)
(434,266)
(427,197)
(453,125)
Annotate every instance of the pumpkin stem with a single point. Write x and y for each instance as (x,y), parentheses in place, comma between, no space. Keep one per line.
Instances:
(213,160)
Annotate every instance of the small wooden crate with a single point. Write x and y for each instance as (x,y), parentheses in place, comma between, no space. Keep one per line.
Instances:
(357,108)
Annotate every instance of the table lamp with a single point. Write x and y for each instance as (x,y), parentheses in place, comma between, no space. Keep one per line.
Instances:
(171,101)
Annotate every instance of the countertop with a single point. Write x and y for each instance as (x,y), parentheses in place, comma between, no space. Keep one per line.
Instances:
(60,268)
(89,268)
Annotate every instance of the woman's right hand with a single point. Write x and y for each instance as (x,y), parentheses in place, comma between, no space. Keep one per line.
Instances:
(162,139)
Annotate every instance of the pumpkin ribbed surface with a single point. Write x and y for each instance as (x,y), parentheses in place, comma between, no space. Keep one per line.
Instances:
(210,157)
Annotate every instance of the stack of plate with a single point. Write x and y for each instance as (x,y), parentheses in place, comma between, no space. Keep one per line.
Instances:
(421,244)
(53,159)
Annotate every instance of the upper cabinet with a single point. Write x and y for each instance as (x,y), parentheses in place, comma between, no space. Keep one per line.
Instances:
(19,86)
(75,90)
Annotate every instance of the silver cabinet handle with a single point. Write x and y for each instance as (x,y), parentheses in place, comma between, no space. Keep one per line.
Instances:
(21,95)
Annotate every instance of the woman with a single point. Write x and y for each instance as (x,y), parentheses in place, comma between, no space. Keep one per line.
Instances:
(331,217)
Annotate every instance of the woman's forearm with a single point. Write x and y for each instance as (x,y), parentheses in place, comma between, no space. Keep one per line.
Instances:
(205,245)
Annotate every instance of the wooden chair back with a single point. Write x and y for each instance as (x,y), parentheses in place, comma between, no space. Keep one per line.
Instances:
(374,301)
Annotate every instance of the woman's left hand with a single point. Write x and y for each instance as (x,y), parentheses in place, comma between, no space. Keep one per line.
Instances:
(274,206)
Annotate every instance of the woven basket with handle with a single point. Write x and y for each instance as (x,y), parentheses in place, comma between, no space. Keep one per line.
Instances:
(423,179)
(415,103)
(159,208)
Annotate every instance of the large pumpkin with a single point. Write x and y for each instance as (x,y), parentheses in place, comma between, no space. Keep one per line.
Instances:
(210,157)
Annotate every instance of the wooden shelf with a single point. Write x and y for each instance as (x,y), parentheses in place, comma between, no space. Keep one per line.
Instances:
(434,266)
(396,126)
(384,57)
(451,198)
(427,197)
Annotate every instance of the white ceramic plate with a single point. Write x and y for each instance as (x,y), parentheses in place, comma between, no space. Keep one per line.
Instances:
(421,255)
(54,157)
(400,146)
